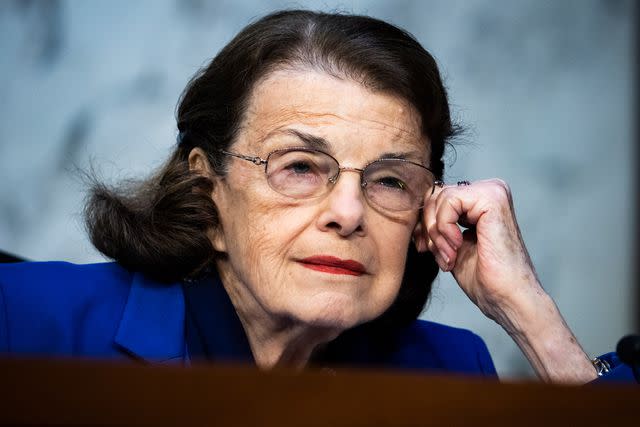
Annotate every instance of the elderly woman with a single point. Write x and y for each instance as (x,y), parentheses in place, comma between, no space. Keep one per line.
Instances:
(300,221)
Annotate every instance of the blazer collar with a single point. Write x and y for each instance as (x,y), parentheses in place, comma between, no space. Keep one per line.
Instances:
(214,330)
(152,324)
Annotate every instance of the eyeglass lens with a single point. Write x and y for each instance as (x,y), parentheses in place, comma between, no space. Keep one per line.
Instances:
(392,184)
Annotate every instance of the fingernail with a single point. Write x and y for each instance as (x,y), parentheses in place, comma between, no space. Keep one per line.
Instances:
(446,263)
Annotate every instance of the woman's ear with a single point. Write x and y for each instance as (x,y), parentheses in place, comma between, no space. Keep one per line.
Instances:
(419,235)
(199,163)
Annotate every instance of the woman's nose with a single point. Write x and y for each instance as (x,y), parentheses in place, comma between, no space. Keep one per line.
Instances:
(343,210)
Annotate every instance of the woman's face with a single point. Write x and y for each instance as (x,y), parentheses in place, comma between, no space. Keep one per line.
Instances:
(332,261)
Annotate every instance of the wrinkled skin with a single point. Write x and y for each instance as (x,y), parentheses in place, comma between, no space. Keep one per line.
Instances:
(287,309)
(492,266)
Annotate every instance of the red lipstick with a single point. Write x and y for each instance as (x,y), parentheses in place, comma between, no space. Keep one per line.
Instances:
(333,265)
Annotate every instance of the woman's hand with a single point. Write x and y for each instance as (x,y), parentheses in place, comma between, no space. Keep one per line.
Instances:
(492,266)
(489,259)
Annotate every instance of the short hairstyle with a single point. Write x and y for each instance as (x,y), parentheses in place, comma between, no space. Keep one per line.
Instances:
(159,225)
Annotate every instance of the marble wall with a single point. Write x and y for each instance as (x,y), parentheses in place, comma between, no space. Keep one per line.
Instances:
(544,89)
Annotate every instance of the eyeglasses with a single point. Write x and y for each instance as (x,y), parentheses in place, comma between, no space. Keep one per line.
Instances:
(304,173)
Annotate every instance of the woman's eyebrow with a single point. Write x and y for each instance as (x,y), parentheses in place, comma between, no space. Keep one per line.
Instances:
(415,156)
(319,143)
(400,155)
(309,140)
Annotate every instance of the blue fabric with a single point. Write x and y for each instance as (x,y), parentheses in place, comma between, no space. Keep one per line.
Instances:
(102,310)
(620,373)
(214,330)
(97,310)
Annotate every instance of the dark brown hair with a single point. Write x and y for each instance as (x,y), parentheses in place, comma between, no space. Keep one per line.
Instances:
(160,225)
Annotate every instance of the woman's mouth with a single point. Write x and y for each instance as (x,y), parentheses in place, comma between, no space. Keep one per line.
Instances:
(333,265)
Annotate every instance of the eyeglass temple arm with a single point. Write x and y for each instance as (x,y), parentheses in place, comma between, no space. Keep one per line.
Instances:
(255,160)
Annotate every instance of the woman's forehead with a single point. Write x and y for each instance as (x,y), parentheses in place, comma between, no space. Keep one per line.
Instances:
(332,108)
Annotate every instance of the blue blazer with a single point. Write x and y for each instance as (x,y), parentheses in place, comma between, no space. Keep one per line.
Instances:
(105,311)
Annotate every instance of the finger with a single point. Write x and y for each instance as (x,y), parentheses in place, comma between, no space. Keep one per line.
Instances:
(429,216)
(444,266)
(447,217)
(446,252)
(437,243)
(471,202)
(420,236)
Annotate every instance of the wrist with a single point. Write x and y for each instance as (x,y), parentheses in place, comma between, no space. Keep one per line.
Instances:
(524,311)
(548,343)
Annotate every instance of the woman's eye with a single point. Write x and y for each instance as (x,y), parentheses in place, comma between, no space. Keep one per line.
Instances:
(300,167)
(392,182)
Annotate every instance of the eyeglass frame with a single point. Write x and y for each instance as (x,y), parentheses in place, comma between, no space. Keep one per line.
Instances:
(258,161)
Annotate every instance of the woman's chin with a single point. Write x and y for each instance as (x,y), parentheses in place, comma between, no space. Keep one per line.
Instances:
(337,312)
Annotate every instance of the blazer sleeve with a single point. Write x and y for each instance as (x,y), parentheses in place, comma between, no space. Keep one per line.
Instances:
(619,371)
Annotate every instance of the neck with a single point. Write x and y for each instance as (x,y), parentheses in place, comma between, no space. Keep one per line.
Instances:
(274,340)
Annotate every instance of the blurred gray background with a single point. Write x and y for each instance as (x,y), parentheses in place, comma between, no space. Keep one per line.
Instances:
(545,89)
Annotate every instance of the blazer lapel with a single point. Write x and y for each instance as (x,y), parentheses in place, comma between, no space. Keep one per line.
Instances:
(152,324)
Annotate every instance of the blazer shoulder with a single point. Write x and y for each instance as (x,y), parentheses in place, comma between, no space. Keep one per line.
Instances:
(60,272)
(43,305)
(62,282)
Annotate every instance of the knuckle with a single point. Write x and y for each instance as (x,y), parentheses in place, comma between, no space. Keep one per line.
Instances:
(502,184)
(441,227)
(500,189)
(443,194)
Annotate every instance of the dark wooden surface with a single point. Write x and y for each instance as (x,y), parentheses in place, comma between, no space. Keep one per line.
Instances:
(85,392)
